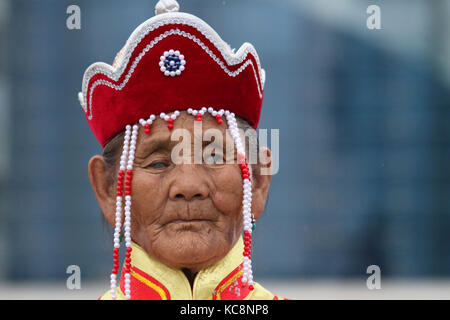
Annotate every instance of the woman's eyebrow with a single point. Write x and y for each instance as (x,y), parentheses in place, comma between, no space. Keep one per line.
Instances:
(214,144)
(154,143)
(163,141)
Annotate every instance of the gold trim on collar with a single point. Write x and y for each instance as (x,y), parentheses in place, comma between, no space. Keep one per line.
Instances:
(147,282)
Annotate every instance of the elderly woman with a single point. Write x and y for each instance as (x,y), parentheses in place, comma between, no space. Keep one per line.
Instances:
(174,180)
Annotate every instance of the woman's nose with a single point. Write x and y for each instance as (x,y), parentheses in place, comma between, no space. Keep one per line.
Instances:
(188,184)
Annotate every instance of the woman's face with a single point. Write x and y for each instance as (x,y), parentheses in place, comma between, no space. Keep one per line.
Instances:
(185,215)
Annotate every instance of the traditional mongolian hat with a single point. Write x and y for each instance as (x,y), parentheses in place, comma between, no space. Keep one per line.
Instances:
(172,62)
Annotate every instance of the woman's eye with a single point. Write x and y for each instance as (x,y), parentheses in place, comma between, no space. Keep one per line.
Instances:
(214,158)
(158,165)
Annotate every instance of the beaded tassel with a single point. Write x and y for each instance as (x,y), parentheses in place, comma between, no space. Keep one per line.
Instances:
(118,220)
(217,114)
(170,119)
(146,123)
(127,223)
(197,113)
(246,201)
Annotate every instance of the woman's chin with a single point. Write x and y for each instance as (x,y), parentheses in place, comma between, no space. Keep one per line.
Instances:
(192,250)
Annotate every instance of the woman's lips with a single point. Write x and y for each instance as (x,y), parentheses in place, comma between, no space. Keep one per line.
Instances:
(186,213)
(189,220)
(195,225)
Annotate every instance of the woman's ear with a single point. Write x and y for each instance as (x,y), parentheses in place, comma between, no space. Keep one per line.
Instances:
(104,191)
(261,181)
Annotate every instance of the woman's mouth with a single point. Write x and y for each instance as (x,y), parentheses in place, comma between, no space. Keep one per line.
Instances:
(189,220)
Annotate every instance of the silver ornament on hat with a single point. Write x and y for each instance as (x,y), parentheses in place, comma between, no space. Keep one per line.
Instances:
(164,6)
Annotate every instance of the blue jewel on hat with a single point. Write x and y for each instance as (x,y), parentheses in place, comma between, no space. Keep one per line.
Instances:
(172,63)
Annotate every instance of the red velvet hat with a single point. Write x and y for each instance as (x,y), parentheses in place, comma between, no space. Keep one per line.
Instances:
(172,61)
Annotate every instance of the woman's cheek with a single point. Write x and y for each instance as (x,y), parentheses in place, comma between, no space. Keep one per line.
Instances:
(148,196)
(227,197)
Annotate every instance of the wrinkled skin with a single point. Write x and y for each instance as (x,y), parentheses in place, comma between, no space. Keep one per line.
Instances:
(188,216)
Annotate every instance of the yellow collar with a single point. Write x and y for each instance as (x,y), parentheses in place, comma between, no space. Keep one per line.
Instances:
(151,279)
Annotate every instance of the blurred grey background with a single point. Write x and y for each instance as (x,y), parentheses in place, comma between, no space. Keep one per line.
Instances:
(363,114)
